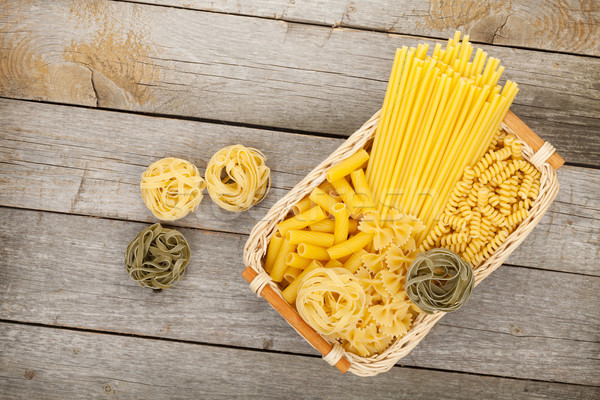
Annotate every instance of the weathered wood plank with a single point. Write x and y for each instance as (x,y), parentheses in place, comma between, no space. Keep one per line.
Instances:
(75,160)
(569,26)
(69,272)
(52,363)
(296,76)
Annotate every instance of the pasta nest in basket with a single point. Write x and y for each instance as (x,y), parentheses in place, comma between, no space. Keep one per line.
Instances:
(331,300)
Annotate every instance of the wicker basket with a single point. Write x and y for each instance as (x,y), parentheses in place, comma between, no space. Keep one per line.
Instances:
(541,154)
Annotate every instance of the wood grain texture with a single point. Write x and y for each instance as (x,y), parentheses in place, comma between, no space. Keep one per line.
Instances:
(71,273)
(75,160)
(295,76)
(569,25)
(51,363)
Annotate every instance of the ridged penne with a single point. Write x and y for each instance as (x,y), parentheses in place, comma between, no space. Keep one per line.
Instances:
(308,217)
(352,163)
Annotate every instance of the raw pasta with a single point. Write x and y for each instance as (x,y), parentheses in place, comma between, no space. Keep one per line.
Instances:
(272,251)
(439,280)
(157,257)
(237,177)
(352,163)
(302,220)
(340,230)
(171,188)
(488,203)
(331,300)
(291,291)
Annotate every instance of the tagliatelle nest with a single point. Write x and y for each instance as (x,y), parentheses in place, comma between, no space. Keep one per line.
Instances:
(172,188)
(237,177)
(157,257)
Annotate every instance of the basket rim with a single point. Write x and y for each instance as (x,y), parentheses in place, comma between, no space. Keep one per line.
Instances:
(260,235)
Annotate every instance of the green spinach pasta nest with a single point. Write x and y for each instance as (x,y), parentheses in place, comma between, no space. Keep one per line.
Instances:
(439,280)
(157,257)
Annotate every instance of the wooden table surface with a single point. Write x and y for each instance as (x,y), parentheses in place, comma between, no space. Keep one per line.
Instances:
(91,92)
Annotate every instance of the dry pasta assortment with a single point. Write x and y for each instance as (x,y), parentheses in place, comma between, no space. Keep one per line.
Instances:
(237,178)
(396,230)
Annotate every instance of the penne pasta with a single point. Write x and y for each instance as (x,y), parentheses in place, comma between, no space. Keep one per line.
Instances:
(291,273)
(294,260)
(326,225)
(325,201)
(355,243)
(347,193)
(321,239)
(291,292)
(333,264)
(354,162)
(280,266)
(355,261)
(313,252)
(327,188)
(341,224)
(272,251)
(302,220)
(302,206)
(363,192)
(352,227)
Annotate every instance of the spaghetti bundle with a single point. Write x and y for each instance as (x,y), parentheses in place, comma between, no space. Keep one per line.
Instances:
(439,115)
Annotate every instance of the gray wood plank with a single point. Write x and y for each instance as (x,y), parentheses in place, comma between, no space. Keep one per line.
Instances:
(295,76)
(68,271)
(570,26)
(82,161)
(61,364)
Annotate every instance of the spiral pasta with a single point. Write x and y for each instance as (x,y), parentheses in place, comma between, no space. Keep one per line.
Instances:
(157,257)
(237,177)
(171,188)
(331,300)
(488,203)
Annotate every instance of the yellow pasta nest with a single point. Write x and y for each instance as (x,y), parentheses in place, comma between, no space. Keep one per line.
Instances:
(237,177)
(331,300)
(171,188)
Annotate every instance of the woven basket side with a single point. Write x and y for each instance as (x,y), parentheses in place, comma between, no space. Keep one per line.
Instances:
(256,246)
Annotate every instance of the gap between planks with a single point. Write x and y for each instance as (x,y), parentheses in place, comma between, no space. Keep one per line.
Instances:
(272,351)
(355,27)
(220,121)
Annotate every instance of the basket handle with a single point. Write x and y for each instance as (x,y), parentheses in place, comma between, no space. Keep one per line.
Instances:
(292,317)
(525,133)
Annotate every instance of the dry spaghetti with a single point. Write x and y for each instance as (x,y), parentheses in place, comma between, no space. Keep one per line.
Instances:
(237,177)
(157,257)
(171,188)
